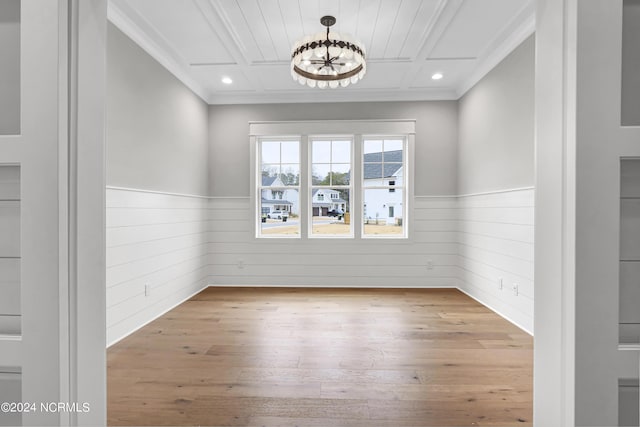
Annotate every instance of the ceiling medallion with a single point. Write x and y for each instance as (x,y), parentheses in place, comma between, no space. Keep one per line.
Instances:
(328,60)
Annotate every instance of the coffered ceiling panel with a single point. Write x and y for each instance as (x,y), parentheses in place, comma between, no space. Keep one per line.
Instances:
(202,41)
(475,26)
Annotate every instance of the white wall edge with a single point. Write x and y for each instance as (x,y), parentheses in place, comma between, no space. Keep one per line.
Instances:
(164,193)
(229,197)
(507,318)
(117,340)
(436,197)
(487,193)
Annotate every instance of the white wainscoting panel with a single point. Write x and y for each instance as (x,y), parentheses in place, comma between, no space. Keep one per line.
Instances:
(179,244)
(10,391)
(496,241)
(10,319)
(157,255)
(239,259)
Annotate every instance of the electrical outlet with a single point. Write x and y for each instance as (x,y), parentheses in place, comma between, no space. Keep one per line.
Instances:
(429,264)
(500,283)
(240,264)
(515,289)
(147,289)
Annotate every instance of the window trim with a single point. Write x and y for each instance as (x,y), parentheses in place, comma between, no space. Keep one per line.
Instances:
(300,131)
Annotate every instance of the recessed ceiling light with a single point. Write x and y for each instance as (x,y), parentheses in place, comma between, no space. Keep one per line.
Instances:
(437,76)
(227,80)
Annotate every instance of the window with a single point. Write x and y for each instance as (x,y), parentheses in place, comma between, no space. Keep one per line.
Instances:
(279,188)
(383,192)
(332,179)
(330,176)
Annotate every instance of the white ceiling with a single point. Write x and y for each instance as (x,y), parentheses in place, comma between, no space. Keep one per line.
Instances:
(407,41)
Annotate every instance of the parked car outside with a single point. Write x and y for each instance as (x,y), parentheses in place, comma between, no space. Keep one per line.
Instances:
(338,213)
(278,215)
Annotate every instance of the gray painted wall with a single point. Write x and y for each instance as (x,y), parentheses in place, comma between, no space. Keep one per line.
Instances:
(496,127)
(631,63)
(156,127)
(435,150)
(10,67)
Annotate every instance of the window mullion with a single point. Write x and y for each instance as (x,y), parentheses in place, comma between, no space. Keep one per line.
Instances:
(305,181)
(356,186)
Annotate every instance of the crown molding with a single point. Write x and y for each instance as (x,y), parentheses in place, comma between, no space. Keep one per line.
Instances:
(359,95)
(127,20)
(514,33)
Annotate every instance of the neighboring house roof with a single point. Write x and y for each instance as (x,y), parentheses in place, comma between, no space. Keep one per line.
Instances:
(275,202)
(373,169)
(268,180)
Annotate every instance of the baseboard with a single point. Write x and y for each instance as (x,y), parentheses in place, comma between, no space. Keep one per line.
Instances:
(213,285)
(158,316)
(507,318)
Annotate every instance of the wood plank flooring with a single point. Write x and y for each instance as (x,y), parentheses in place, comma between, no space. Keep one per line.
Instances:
(322,358)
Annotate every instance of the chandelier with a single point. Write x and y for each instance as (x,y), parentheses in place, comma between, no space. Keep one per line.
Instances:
(328,60)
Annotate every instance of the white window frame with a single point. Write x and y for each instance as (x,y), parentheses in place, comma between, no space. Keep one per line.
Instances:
(302,131)
(312,187)
(406,184)
(259,187)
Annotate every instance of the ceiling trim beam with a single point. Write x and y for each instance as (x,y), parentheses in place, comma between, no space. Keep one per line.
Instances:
(145,35)
(219,23)
(445,12)
(513,34)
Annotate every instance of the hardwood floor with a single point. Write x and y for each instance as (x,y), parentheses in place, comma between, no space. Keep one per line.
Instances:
(322,358)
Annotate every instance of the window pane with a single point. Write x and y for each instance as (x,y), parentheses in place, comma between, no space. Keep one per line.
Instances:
(383,213)
(290,175)
(280,212)
(372,174)
(270,174)
(393,145)
(321,152)
(394,156)
(290,151)
(372,146)
(270,152)
(330,212)
(340,174)
(341,152)
(320,175)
